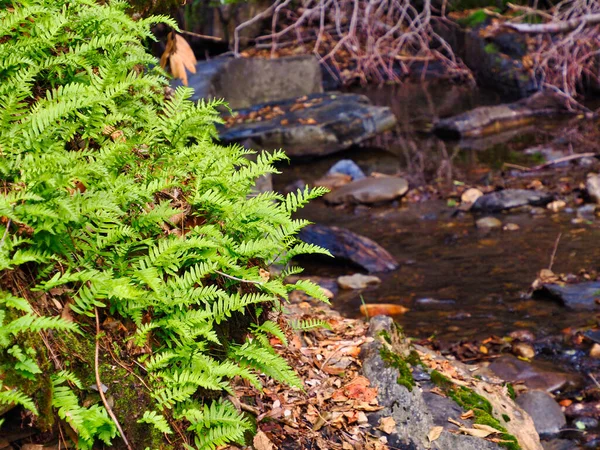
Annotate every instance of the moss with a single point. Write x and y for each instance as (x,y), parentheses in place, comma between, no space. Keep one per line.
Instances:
(506,418)
(414,359)
(394,360)
(469,400)
(511,391)
(491,48)
(383,334)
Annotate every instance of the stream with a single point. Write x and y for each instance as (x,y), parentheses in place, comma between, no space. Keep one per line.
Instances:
(459,282)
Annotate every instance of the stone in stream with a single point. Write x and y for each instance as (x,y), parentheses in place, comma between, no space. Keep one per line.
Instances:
(579,296)
(510,198)
(369,190)
(313,125)
(357,281)
(545,412)
(244,82)
(535,374)
(345,244)
(347,167)
(592,186)
(488,223)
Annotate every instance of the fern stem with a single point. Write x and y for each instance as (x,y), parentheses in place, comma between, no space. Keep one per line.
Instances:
(5,233)
(238,279)
(99,383)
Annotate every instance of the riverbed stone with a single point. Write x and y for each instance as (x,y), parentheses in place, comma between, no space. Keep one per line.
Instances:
(545,412)
(579,296)
(357,281)
(312,125)
(534,374)
(244,82)
(592,185)
(510,198)
(488,223)
(347,167)
(369,190)
(345,244)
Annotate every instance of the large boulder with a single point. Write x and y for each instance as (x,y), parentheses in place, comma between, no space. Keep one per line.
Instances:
(545,412)
(244,82)
(312,125)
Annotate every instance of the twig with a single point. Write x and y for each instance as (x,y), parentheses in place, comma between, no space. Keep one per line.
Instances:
(555,27)
(594,378)
(238,279)
(562,160)
(5,232)
(99,383)
(202,36)
(554,251)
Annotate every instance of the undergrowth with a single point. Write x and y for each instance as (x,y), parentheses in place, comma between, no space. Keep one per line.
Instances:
(119,208)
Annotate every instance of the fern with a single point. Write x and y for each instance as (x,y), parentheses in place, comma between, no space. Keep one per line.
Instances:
(309,324)
(96,166)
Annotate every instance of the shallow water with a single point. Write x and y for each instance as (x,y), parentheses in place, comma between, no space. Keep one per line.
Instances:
(481,278)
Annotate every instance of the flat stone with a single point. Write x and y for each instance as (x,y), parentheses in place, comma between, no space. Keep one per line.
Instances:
(369,190)
(556,205)
(575,296)
(357,281)
(345,244)
(488,222)
(510,198)
(511,227)
(470,195)
(545,412)
(244,82)
(534,374)
(313,125)
(592,185)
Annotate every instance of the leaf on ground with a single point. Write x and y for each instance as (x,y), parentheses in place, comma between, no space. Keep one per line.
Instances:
(486,428)
(262,442)
(387,424)
(434,433)
(468,415)
(475,432)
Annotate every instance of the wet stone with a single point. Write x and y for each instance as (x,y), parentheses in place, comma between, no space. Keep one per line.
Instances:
(587,211)
(592,185)
(488,222)
(357,281)
(575,296)
(347,167)
(369,190)
(509,199)
(511,227)
(545,412)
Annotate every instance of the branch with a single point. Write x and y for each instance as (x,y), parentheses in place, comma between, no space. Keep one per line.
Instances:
(555,27)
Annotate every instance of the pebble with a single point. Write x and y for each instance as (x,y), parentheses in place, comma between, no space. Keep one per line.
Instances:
(347,167)
(556,205)
(523,335)
(511,227)
(537,211)
(357,281)
(595,351)
(523,350)
(470,195)
(488,223)
(592,185)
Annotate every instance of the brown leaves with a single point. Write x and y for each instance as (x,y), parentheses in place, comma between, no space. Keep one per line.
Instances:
(180,56)
(434,433)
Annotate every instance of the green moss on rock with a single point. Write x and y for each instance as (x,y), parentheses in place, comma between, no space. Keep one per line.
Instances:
(394,360)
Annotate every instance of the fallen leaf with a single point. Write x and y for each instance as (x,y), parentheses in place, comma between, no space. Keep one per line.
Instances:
(434,433)
(387,424)
(262,442)
(475,432)
(486,428)
(468,415)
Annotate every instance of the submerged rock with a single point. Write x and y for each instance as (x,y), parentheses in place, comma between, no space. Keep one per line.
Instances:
(545,412)
(347,167)
(535,375)
(592,185)
(313,125)
(357,281)
(345,244)
(575,296)
(488,223)
(510,198)
(369,190)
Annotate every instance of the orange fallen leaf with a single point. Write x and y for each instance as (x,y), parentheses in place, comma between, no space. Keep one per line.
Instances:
(382,309)
(434,433)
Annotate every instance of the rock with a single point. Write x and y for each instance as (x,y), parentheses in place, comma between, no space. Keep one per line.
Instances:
(244,82)
(347,167)
(595,351)
(575,296)
(492,119)
(357,281)
(369,190)
(523,350)
(587,409)
(587,211)
(382,309)
(585,423)
(537,211)
(333,180)
(522,335)
(511,227)
(510,198)
(416,411)
(592,185)
(313,125)
(345,244)
(545,412)
(488,222)
(556,205)
(535,374)
(470,195)
(434,302)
